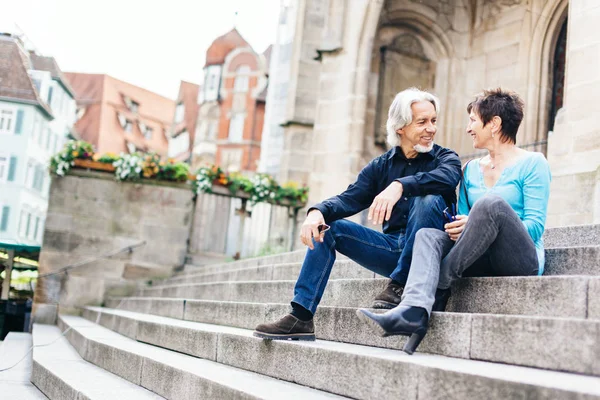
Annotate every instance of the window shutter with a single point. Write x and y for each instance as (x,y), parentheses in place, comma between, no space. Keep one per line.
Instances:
(50,95)
(12,168)
(4,219)
(19,123)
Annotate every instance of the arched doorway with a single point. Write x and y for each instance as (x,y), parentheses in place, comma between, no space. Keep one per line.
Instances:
(403,64)
(558,76)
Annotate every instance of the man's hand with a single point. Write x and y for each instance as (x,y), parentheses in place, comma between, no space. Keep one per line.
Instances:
(455,228)
(310,228)
(384,203)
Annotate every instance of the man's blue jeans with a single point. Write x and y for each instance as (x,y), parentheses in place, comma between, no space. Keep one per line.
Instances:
(385,254)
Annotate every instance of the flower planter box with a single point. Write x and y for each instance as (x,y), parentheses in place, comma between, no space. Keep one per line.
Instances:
(222,190)
(95,165)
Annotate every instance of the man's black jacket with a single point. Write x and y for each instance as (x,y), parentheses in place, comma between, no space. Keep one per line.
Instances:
(436,172)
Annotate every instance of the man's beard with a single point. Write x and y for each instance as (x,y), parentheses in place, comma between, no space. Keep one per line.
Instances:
(423,149)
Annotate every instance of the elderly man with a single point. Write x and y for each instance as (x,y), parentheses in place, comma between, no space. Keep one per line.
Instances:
(406,189)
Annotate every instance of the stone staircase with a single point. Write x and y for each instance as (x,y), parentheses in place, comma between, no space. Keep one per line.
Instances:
(190,336)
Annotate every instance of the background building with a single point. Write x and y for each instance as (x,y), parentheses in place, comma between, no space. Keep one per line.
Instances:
(118,117)
(232,105)
(37,112)
(183,129)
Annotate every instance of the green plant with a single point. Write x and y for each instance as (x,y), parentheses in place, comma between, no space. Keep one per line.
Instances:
(73,150)
(108,158)
(173,171)
(205,176)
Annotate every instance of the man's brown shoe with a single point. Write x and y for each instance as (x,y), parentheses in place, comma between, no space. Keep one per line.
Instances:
(287,328)
(390,297)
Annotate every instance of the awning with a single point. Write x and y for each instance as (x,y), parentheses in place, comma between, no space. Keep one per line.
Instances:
(21,250)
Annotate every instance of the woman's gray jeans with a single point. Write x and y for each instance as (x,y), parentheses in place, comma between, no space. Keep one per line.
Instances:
(493,243)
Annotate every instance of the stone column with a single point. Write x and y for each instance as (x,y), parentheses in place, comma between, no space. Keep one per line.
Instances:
(337,142)
(574,146)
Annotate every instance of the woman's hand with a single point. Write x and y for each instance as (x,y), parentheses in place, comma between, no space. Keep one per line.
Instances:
(310,228)
(455,228)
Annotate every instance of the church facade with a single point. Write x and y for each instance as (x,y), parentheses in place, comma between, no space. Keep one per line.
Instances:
(347,59)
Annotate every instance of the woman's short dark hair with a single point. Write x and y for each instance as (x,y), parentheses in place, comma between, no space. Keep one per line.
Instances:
(505,104)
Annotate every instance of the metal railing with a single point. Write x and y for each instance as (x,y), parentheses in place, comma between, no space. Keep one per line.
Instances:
(67,268)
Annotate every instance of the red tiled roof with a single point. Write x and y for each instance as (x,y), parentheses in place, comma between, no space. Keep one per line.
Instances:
(15,82)
(222,45)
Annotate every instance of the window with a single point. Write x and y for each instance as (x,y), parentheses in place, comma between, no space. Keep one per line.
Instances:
(131,147)
(236,128)
(179,144)
(3,169)
(50,89)
(241,79)
(212,76)
(28,225)
(134,106)
(6,121)
(148,133)
(4,218)
(37,83)
(231,160)
(36,228)
(128,126)
(179,113)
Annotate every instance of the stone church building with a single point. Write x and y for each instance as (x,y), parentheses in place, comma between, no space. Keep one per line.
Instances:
(337,65)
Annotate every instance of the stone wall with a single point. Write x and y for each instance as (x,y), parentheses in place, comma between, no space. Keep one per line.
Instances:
(574,147)
(90,214)
(470,45)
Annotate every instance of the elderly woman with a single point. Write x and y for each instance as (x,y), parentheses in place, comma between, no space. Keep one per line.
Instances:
(502,211)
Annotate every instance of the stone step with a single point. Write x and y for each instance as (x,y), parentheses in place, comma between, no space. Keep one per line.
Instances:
(527,341)
(171,374)
(578,235)
(551,296)
(60,372)
(15,382)
(559,261)
(356,371)
(289,257)
(582,260)
(343,269)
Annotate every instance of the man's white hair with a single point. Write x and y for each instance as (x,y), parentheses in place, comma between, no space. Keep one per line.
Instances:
(400,113)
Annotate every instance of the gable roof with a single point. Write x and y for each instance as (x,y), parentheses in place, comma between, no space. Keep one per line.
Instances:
(15,83)
(49,64)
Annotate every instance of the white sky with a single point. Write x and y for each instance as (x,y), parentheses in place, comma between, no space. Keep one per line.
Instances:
(153,43)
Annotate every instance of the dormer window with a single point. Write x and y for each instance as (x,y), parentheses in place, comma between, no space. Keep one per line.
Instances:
(132,105)
(148,133)
(128,126)
(131,148)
